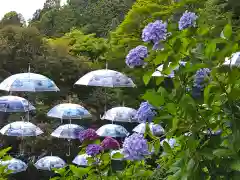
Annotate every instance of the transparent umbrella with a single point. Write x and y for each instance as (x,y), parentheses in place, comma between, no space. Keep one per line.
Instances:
(156,129)
(50,162)
(21,129)
(120,114)
(112,130)
(15,104)
(15,165)
(68,131)
(81,160)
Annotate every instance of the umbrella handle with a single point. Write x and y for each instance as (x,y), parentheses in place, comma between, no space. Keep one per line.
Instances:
(69,148)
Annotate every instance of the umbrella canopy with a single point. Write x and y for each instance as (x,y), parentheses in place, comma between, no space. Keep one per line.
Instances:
(105,78)
(112,130)
(67,131)
(158,72)
(15,104)
(121,114)
(156,129)
(15,165)
(28,82)
(117,151)
(69,111)
(21,128)
(50,162)
(81,160)
(234,60)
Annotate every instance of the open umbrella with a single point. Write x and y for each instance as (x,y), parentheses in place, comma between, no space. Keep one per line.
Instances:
(68,131)
(121,114)
(156,129)
(50,162)
(112,130)
(15,104)
(15,165)
(234,60)
(105,78)
(21,129)
(81,160)
(28,82)
(68,111)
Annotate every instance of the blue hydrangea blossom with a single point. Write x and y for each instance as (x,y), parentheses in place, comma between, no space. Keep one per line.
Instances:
(187,20)
(136,56)
(93,149)
(145,112)
(135,147)
(200,78)
(155,32)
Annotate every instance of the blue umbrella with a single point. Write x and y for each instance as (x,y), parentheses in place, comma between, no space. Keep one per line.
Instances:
(28,82)
(15,104)
(69,111)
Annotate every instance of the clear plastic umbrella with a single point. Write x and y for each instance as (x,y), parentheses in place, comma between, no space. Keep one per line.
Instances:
(15,104)
(158,72)
(28,82)
(68,131)
(120,114)
(21,129)
(81,160)
(68,111)
(234,60)
(15,165)
(156,129)
(112,130)
(105,78)
(49,163)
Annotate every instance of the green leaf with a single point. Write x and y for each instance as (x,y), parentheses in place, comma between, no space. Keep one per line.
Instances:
(78,171)
(154,98)
(3,152)
(227,31)
(190,165)
(166,147)
(117,155)
(156,146)
(171,108)
(210,49)
(222,152)
(235,165)
(161,57)
(147,77)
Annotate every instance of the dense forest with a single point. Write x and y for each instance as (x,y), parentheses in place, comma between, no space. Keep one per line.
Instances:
(66,42)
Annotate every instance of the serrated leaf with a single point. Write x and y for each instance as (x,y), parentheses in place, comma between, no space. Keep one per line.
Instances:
(166,147)
(156,146)
(190,164)
(210,49)
(171,108)
(222,152)
(227,31)
(147,77)
(78,171)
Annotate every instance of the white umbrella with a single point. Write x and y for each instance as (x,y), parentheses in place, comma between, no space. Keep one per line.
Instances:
(156,129)
(20,129)
(50,162)
(112,130)
(121,114)
(234,60)
(15,165)
(68,131)
(81,160)
(105,78)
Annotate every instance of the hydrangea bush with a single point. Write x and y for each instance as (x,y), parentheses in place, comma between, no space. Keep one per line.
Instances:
(204,100)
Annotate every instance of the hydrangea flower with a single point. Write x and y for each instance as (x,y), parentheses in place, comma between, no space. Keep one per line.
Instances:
(157,129)
(187,20)
(200,77)
(110,143)
(171,142)
(93,149)
(135,147)
(145,112)
(88,134)
(155,32)
(135,57)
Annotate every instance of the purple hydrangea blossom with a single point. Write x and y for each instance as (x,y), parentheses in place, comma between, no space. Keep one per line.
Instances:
(157,129)
(200,77)
(88,134)
(110,143)
(93,149)
(187,20)
(135,147)
(155,32)
(135,57)
(145,112)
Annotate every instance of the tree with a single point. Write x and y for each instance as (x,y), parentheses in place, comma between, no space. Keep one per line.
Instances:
(12,18)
